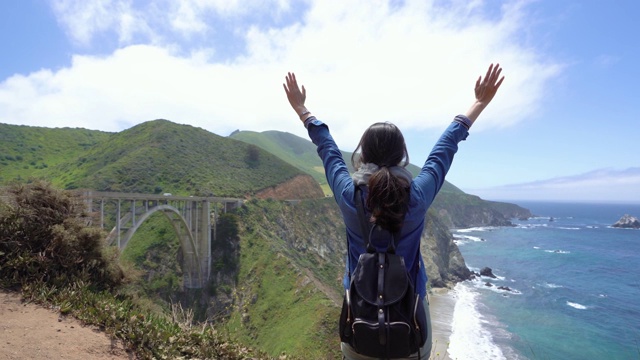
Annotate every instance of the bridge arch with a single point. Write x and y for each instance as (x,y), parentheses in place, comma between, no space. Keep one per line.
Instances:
(191,256)
(169,211)
(190,216)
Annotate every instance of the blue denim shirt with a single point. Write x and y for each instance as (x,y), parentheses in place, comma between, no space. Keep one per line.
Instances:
(424,188)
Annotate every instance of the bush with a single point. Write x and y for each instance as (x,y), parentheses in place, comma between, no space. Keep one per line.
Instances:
(43,237)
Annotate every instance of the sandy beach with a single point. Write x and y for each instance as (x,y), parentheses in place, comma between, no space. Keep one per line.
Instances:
(441,305)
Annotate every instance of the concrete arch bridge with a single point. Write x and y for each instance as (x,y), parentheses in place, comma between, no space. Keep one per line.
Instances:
(193,219)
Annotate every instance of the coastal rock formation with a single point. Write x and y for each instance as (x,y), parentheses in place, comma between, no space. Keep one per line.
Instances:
(443,261)
(486,271)
(627,222)
(503,288)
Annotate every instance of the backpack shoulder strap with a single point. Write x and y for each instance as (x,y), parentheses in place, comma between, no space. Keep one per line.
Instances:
(365,225)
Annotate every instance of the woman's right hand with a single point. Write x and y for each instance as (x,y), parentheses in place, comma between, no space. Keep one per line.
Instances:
(295,96)
(486,89)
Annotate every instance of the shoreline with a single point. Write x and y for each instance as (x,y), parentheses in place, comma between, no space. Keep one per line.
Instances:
(441,306)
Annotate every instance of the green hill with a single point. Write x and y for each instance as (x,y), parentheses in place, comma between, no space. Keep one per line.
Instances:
(27,151)
(296,151)
(288,281)
(153,157)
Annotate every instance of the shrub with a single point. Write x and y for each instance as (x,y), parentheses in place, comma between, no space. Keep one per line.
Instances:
(43,237)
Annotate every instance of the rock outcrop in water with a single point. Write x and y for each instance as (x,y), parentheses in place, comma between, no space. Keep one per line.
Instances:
(627,222)
(486,271)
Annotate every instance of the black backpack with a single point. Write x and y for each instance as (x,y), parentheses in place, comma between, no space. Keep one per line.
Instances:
(382,315)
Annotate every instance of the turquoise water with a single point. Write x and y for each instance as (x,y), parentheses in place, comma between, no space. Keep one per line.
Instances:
(575,284)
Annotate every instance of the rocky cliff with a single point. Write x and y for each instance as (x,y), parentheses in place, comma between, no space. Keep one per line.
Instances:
(461,210)
(443,261)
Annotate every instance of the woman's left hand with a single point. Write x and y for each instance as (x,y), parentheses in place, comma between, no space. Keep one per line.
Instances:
(295,96)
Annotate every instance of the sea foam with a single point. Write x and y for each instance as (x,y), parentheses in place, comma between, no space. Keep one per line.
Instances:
(531,226)
(557,251)
(553,286)
(470,339)
(463,239)
(576,305)
(485,228)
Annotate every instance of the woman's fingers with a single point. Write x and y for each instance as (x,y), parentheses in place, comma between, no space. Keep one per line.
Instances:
(292,83)
(489,72)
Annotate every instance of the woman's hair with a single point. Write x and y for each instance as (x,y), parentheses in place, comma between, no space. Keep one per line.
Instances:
(383,144)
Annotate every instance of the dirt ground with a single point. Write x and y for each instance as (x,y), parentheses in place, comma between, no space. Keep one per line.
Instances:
(29,331)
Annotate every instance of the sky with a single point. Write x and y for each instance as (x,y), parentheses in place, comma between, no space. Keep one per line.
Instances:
(561,128)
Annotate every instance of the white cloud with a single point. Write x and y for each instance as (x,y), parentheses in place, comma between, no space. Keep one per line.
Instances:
(362,61)
(186,19)
(602,185)
(83,20)
(152,20)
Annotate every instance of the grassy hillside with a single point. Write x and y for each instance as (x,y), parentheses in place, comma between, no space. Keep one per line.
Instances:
(153,157)
(27,151)
(287,285)
(295,150)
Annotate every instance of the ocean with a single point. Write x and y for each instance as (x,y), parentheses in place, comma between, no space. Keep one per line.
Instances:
(573,286)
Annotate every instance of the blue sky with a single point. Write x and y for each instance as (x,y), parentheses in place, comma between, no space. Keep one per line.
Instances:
(563,126)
